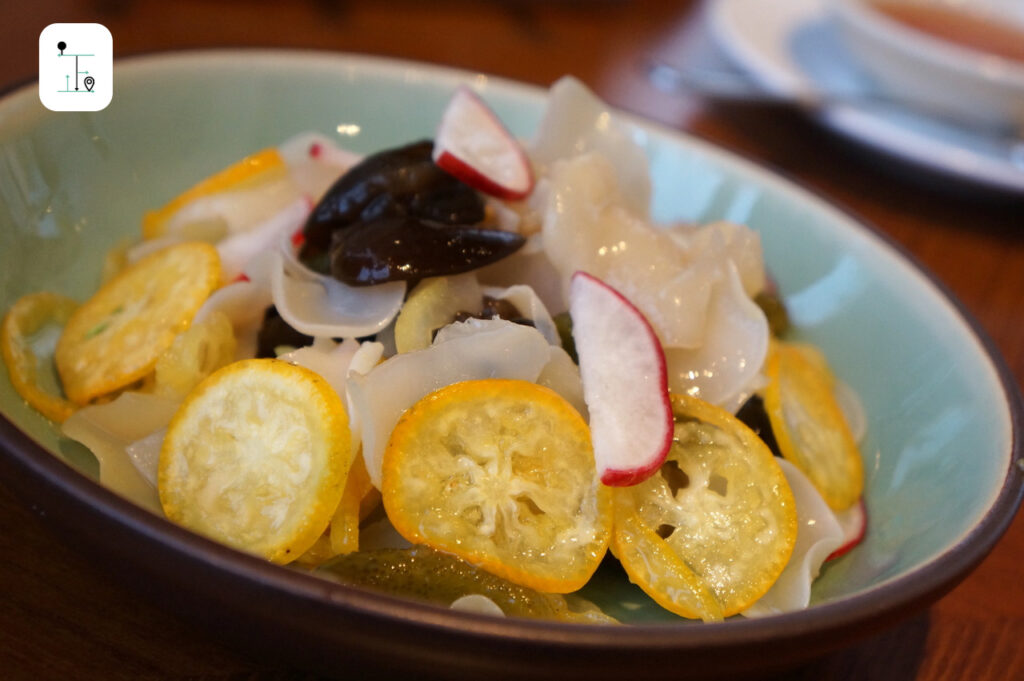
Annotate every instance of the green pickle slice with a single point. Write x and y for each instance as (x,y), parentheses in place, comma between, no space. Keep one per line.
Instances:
(424,574)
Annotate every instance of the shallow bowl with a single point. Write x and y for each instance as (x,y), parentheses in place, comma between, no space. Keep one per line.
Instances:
(942,450)
(940,76)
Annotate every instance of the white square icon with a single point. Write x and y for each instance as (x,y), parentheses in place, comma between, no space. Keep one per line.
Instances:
(76,67)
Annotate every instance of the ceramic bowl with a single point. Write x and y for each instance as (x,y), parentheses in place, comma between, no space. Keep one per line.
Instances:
(936,74)
(944,412)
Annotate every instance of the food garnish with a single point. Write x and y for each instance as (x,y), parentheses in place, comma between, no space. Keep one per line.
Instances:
(622,367)
(473,145)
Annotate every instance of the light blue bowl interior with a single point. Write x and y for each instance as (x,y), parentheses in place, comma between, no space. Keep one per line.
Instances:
(937,451)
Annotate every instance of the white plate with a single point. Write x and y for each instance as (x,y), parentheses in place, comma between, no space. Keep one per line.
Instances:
(791,46)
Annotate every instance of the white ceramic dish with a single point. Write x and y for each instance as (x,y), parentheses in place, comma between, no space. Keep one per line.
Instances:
(794,47)
(919,68)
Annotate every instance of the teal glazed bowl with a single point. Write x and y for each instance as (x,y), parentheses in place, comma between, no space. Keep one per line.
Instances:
(942,454)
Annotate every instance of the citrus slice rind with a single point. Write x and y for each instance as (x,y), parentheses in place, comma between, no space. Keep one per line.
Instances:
(652,565)
(256,458)
(809,425)
(500,473)
(196,353)
(260,167)
(28,316)
(116,337)
(719,510)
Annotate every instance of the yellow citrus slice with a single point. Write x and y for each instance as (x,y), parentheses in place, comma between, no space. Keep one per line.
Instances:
(262,166)
(432,304)
(256,458)
(500,473)
(195,354)
(809,425)
(25,362)
(710,533)
(116,337)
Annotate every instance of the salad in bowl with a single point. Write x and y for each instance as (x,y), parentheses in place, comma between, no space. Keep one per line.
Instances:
(471,369)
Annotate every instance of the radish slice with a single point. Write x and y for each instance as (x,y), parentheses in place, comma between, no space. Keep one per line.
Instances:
(625,384)
(854,522)
(473,145)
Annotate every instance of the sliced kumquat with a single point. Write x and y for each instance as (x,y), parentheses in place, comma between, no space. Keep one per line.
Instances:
(195,354)
(26,363)
(256,458)
(500,473)
(710,533)
(116,337)
(263,166)
(809,424)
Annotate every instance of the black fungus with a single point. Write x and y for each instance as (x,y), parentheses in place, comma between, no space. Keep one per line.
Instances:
(755,416)
(275,332)
(401,182)
(408,248)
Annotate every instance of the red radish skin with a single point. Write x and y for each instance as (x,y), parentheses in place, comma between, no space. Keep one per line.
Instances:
(473,145)
(857,535)
(592,304)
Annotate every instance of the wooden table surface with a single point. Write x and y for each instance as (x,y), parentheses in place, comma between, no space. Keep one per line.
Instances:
(62,618)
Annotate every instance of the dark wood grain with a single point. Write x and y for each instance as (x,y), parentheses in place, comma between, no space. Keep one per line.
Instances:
(61,616)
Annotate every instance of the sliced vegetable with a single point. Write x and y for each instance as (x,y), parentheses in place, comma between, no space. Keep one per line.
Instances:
(320,306)
(436,577)
(622,367)
(473,145)
(817,537)
(108,430)
(854,523)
